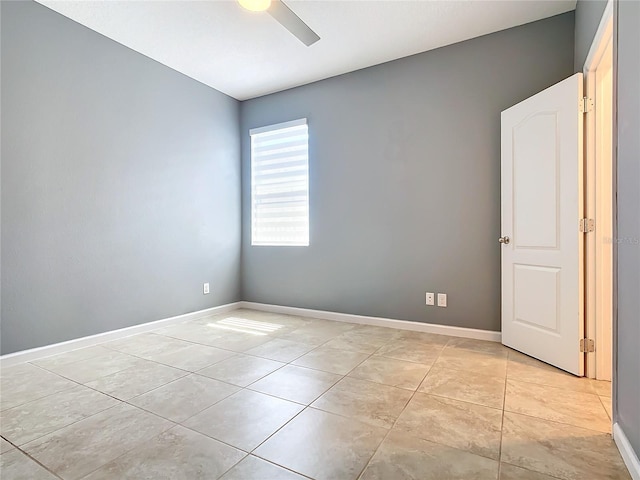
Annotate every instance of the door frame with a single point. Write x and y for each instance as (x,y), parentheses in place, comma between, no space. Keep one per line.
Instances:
(596,326)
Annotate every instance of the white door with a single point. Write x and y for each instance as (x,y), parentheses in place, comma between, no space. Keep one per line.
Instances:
(542,268)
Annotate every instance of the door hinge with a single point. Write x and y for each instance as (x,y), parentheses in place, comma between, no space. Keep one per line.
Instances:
(587,345)
(587,225)
(586,105)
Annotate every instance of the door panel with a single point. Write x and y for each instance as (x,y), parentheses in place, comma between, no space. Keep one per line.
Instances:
(535,167)
(541,209)
(528,309)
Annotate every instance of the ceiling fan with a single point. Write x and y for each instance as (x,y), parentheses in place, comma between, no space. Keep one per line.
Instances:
(283,14)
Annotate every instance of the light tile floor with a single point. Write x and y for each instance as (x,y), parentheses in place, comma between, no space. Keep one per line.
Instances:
(258,396)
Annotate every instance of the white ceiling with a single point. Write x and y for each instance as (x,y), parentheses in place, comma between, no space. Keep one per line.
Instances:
(246,54)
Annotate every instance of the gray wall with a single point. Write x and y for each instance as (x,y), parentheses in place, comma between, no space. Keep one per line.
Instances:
(405,179)
(120,185)
(588,15)
(628,178)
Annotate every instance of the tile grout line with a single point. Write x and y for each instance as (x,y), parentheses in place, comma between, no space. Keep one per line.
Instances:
(504,404)
(188,372)
(188,418)
(101,376)
(194,373)
(275,432)
(185,374)
(66,425)
(305,406)
(173,424)
(294,401)
(241,386)
(559,423)
(267,461)
(257,356)
(532,471)
(181,424)
(458,400)
(528,382)
(400,414)
(43,397)
(50,394)
(35,460)
(175,380)
(138,356)
(280,466)
(120,401)
(57,430)
(34,362)
(129,451)
(309,405)
(416,391)
(605,408)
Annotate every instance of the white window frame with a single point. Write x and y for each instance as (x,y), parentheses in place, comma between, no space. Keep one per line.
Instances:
(254,134)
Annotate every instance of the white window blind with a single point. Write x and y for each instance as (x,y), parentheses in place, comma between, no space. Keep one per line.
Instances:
(280,184)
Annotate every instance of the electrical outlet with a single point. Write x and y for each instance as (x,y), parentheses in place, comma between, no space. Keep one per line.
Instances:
(430,298)
(442,299)
(205,289)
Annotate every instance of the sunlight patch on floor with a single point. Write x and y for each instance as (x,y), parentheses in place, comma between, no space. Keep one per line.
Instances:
(243,325)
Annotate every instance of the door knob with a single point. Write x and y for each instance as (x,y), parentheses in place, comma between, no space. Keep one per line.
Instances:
(504,240)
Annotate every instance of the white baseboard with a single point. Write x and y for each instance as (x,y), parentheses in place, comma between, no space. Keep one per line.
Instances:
(62,347)
(626,451)
(378,321)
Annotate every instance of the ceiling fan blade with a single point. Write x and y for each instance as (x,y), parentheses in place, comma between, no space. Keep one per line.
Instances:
(292,22)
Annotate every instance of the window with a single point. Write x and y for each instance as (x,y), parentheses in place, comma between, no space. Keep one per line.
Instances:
(280,184)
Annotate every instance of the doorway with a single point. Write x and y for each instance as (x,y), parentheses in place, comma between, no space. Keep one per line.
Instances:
(599,200)
(557,168)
